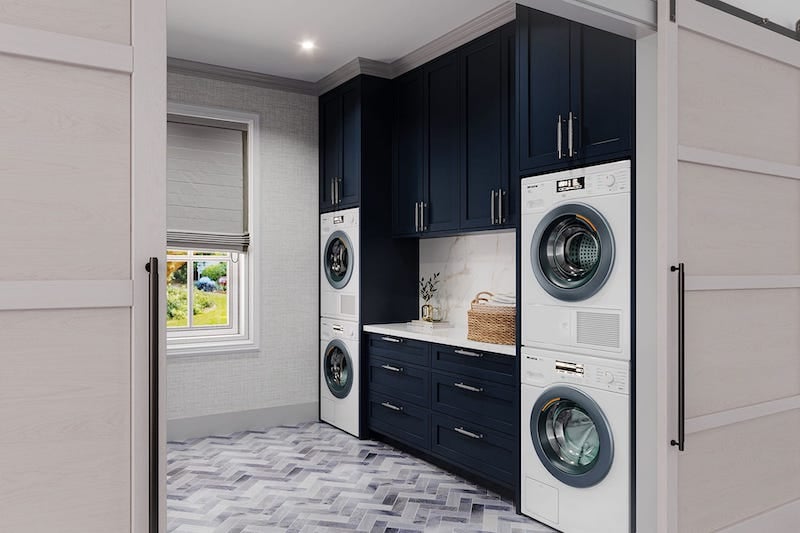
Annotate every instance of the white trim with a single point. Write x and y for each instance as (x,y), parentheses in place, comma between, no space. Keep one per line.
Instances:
(701,156)
(148,239)
(249,340)
(741,414)
(68,49)
(733,283)
(629,18)
(711,22)
(782,518)
(235,75)
(19,295)
(351,69)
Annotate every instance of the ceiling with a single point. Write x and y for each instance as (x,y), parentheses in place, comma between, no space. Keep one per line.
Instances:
(264,35)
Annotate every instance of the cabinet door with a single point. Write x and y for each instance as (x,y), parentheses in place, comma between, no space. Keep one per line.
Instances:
(407,152)
(484,156)
(543,55)
(330,117)
(603,81)
(510,187)
(349,186)
(443,118)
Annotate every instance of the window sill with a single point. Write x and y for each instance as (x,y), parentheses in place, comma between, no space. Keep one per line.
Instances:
(187,348)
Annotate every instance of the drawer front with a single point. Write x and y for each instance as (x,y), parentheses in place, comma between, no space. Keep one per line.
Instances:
(473,363)
(399,349)
(401,420)
(475,447)
(399,380)
(483,402)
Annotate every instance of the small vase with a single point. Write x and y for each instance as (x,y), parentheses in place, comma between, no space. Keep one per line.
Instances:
(431,313)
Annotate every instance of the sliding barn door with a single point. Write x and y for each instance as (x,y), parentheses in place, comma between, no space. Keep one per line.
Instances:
(82,107)
(730,162)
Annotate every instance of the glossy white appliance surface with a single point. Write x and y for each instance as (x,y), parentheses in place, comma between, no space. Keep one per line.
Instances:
(448,336)
(591,322)
(601,505)
(339,403)
(339,268)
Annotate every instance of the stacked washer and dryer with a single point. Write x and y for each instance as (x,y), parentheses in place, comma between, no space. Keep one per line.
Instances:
(576,349)
(340,402)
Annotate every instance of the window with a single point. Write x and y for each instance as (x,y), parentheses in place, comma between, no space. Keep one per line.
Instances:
(210,259)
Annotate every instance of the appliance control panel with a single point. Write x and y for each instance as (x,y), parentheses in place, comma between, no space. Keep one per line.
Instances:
(541,192)
(337,329)
(585,371)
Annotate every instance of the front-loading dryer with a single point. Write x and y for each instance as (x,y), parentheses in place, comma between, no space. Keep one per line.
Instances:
(339,396)
(576,253)
(339,271)
(575,433)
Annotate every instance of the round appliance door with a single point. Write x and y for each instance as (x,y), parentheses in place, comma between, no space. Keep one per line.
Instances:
(338,259)
(571,436)
(572,252)
(338,368)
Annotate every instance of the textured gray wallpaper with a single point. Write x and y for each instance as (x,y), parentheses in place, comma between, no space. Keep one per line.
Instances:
(284,371)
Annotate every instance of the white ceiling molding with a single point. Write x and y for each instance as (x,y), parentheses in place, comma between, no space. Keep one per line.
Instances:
(235,75)
(359,65)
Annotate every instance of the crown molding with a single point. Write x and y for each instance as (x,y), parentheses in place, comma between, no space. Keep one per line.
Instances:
(348,71)
(496,17)
(235,75)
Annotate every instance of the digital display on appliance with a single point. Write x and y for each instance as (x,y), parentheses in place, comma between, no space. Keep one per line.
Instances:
(338,220)
(572,184)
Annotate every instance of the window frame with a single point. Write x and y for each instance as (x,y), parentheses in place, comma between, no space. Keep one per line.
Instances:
(246,339)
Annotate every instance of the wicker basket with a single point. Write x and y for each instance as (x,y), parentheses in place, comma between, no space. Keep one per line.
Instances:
(491,323)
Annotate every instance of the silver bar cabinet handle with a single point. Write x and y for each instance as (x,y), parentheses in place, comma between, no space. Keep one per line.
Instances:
(391,339)
(468,353)
(154,324)
(558,137)
(468,387)
(680,443)
(570,136)
(493,200)
(422,206)
(500,194)
(391,406)
(416,217)
(391,368)
(469,434)
(333,192)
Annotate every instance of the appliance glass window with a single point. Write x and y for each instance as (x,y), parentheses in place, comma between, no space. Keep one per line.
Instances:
(338,368)
(572,252)
(338,260)
(572,436)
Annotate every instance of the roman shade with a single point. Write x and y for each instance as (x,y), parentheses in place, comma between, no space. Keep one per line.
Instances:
(206,185)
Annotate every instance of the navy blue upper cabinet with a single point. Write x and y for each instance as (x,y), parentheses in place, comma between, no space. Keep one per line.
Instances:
(439,211)
(487,69)
(340,146)
(575,92)
(408,147)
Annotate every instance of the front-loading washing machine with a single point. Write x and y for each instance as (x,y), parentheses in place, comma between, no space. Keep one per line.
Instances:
(575,433)
(576,253)
(339,272)
(339,396)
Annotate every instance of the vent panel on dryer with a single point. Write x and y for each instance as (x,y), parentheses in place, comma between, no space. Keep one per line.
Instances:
(598,329)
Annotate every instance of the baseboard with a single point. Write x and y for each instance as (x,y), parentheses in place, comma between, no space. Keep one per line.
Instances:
(180,429)
(783,518)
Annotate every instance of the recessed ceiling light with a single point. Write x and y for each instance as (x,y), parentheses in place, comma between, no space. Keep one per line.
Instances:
(307,45)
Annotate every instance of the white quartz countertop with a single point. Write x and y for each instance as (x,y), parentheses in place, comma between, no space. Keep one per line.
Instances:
(448,336)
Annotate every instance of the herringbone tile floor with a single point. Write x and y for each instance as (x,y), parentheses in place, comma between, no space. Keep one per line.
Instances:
(313,478)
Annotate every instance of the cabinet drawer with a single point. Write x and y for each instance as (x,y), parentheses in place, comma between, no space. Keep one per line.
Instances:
(399,349)
(483,402)
(473,363)
(399,419)
(475,447)
(401,381)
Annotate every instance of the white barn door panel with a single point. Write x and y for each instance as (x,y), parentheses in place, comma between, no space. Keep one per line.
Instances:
(730,179)
(82,108)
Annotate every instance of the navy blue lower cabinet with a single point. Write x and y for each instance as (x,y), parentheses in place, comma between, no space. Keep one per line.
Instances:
(475,363)
(399,380)
(399,349)
(481,401)
(400,420)
(480,449)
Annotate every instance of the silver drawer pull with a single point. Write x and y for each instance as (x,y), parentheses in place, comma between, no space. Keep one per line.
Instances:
(391,368)
(468,353)
(468,433)
(391,339)
(391,406)
(468,387)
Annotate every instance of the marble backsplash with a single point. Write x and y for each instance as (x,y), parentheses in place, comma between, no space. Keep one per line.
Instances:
(468,264)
